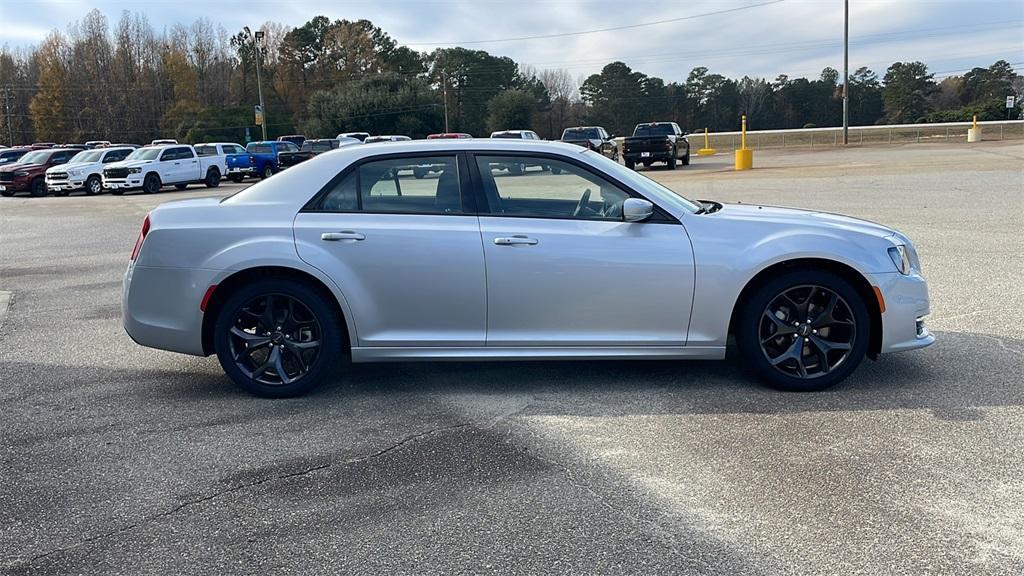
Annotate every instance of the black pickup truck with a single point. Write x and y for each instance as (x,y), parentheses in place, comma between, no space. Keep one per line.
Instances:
(309,149)
(656,142)
(593,138)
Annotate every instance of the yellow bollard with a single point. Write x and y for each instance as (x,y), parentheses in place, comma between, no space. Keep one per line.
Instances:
(707,150)
(974,132)
(744,156)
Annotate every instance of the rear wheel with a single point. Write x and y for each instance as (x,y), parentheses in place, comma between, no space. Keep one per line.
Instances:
(804,331)
(236,178)
(630,164)
(671,163)
(277,338)
(151,184)
(268,171)
(212,178)
(38,188)
(93,186)
(686,158)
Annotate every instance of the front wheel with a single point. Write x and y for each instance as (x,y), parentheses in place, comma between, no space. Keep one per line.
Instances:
(151,184)
(277,338)
(93,186)
(38,188)
(804,331)
(671,163)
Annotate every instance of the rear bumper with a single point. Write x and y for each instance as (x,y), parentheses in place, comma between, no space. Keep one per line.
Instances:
(649,155)
(906,306)
(160,306)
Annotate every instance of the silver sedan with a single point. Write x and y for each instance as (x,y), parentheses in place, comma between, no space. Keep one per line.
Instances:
(440,250)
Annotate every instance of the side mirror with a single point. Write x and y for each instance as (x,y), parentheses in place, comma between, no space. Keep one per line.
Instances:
(636,210)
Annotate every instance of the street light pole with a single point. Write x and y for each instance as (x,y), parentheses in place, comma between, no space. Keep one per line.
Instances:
(258,37)
(846,72)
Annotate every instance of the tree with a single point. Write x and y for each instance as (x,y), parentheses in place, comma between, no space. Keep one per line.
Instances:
(472,78)
(865,94)
(48,106)
(617,97)
(511,110)
(387,103)
(905,95)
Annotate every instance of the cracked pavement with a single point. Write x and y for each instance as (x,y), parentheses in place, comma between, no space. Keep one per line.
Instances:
(116,459)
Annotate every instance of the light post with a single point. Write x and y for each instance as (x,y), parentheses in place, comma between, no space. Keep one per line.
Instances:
(257,39)
(846,72)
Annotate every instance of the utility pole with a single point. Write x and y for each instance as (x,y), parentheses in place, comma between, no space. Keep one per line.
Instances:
(846,72)
(444,90)
(257,39)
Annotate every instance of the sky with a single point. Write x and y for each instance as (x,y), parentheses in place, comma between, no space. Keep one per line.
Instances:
(757,38)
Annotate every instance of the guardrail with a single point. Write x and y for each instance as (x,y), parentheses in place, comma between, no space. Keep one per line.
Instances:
(861,135)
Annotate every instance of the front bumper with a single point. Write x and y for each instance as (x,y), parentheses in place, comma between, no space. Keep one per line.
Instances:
(16,185)
(160,306)
(61,185)
(906,305)
(130,183)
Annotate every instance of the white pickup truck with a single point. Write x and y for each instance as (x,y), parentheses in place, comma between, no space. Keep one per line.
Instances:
(84,171)
(153,167)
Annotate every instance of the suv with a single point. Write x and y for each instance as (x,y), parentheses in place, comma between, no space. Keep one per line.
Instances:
(296,139)
(83,171)
(28,173)
(594,138)
(153,167)
(656,142)
(12,155)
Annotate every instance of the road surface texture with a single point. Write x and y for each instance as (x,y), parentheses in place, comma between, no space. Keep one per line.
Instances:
(116,459)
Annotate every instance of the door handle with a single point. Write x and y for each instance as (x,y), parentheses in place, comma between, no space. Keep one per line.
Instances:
(343,235)
(516,240)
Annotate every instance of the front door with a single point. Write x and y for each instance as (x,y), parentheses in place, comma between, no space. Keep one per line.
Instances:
(404,251)
(564,269)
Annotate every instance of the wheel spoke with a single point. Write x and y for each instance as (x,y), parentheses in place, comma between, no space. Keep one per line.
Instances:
(270,363)
(279,367)
(781,328)
(791,353)
(252,341)
(828,345)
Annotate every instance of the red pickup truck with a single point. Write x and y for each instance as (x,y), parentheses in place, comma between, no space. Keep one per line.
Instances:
(28,173)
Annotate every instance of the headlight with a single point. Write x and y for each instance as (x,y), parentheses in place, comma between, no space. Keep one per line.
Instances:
(21,173)
(135,170)
(901,258)
(75,173)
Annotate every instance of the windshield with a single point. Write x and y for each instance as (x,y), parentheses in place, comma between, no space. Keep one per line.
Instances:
(643,184)
(654,130)
(37,157)
(145,154)
(87,156)
(580,134)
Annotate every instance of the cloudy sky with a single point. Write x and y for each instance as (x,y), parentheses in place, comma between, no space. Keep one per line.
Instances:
(771,37)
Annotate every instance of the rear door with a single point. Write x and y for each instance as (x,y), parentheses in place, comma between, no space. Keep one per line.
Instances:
(564,269)
(405,251)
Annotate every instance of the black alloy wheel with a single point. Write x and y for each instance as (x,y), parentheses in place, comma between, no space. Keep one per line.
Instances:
(38,188)
(151,184)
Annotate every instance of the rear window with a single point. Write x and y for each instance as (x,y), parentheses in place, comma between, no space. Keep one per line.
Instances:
(260,148)
(580,134)
(206,150)
(654,130)
(515,135)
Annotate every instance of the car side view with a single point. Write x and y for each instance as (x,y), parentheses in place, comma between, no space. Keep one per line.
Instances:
(350,253)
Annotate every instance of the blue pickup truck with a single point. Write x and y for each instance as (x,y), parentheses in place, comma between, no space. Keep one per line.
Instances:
(259,159)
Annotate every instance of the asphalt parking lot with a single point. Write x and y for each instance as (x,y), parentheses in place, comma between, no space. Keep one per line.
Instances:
(116,459)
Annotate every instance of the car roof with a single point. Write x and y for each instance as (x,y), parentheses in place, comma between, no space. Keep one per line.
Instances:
(461,145)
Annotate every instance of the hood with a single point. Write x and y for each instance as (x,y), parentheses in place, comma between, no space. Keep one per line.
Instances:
(14,167)
(129,163)
(792,217)
(71,166)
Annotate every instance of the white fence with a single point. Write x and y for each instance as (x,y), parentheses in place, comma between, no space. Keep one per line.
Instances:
(860,135)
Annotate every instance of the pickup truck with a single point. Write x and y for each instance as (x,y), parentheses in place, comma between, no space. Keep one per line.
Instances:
(29,172)
(311,148)
(219,151)
(84,171)
(593,138)
(656,142)
(259,159)
(154,167)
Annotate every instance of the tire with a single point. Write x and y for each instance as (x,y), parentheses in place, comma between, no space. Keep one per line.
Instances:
(236,178)
(117,192)
(556,170)
(671,163)
(326,328)
(268,171)
(38,188)
(181,186)
(212,179)
(764,333)
(151,183)
(686,158)
(93,185)
(630,164)
(7,193)
(515,169)
(419,173)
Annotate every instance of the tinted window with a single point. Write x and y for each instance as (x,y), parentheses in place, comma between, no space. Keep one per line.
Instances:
(209,150)
(580,133)
(548,188)
(425,185)
(654,130)
(323,145)
(62,157)
(507,135)
(116,155)
(260,148)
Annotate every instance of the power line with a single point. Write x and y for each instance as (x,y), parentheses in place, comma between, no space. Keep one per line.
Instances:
(596,30)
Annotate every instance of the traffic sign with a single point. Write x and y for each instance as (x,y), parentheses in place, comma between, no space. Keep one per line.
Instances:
(259,115)
(1011,101)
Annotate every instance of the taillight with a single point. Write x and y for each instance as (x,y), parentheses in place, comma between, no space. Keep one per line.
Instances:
(141,239)
(252,160)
